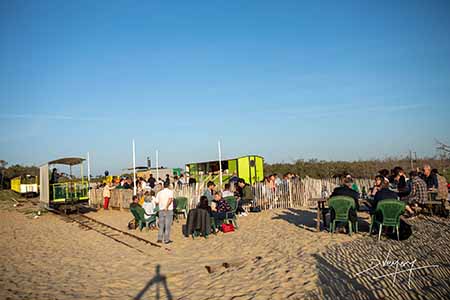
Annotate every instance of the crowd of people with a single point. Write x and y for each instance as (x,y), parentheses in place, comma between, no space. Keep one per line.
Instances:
(155,201)
(156,196)
(415,189)
(273,181)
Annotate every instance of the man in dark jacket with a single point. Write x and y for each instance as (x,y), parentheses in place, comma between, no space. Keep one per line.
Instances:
(383,194)
(346,190)
(151,181)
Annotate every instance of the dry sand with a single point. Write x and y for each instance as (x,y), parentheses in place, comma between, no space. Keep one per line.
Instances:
(273,255)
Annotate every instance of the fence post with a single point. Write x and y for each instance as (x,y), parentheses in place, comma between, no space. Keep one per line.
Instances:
(290,193)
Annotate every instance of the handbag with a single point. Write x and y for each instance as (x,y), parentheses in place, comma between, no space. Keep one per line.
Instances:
(227,228)
(132,224)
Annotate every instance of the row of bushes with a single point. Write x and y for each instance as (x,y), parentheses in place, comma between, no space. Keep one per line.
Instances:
(361,169)
(313,168)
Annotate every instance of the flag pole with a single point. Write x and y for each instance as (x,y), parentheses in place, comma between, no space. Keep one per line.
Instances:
(89,177)
(220,164)
(134,168)
(157,165)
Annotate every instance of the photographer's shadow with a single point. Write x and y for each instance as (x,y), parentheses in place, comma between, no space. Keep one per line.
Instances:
(157,280)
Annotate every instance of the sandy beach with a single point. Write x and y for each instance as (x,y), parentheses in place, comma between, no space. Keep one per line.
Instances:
(273,255)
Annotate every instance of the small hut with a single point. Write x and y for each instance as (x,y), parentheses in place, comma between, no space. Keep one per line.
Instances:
(250,168)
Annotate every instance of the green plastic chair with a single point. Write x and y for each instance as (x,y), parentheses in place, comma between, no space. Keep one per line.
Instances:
(181,206)
(139,215)
(390,210)
(231,215)
(341,206)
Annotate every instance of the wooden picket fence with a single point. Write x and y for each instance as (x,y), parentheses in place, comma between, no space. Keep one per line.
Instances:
(289,194)
(298,193)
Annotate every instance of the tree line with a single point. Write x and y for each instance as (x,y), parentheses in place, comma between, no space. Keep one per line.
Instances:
(8,173)
(359,169)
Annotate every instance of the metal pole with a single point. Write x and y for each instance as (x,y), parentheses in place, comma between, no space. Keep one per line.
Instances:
(411,159)
(88,168)
(157,165)
(220,164)
(134,169)
(89,178)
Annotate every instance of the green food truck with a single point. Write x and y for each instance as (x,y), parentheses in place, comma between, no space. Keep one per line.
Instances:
(250,168)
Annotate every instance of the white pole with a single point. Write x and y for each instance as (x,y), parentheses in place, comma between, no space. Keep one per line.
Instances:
(220,165)
(134,169)
(157,165)
(89,177)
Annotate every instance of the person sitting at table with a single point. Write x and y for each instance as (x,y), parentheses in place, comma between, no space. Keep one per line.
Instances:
(227,192)
(150,206)
(383,194)
(442,192)
(204,204)
(377,185)
(221,208)
(399,179)
(354,185)
(430,178)
(246,197)
(418,195)
(346,190)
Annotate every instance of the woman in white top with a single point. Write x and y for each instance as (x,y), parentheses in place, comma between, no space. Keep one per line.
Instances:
(107,194)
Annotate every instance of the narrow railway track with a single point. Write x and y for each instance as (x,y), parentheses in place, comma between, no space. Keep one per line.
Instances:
(122,237)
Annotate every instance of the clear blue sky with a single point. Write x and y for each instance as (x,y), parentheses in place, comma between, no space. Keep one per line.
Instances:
(334,80)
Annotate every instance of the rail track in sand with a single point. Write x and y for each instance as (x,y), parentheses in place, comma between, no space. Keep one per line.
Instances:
(122,237)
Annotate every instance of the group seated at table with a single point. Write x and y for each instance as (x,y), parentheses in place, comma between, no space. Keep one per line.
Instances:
(416,193)
(145,215)
(219,210)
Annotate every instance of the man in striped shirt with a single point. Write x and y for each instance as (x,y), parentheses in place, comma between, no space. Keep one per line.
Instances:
(419,191)
(418,195)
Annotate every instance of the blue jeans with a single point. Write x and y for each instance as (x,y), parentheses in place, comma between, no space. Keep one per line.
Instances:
(165,222)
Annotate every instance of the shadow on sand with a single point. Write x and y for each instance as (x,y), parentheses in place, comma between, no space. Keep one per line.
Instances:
(303,218)
(350,270)
(156,281)
(306,219)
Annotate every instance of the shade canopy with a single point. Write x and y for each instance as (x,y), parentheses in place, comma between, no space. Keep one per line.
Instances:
(70,161)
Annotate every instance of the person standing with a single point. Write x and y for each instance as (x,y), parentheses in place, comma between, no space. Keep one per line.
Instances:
(164,199)
(107,194)
(442,186)
(167,180)
(151,181)
(209,192)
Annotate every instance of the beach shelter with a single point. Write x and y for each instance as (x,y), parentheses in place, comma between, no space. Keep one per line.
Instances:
(249,167)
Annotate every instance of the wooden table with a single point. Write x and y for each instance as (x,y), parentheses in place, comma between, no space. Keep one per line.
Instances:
(321,208)
(432,201)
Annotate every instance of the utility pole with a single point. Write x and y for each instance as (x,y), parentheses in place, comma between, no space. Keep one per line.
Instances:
(411,160)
